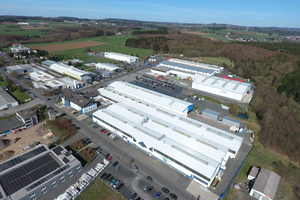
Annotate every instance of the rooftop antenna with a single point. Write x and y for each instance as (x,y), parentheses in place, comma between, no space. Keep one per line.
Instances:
(247,28)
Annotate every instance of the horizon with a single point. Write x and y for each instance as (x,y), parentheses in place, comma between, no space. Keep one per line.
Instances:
(252,14)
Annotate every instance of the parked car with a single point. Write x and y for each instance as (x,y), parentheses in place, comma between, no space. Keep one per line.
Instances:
(139,198)
(107,176)
(166,190)
(110,179)
(149,178)
(167,198)
(115,164)
(116,183)
(157,195)
(118,167)
(109,158)
(105,131)
(120,186)
(103,175)
(133,196)
(113,181)
(150,189)
(107,155)
(135,168)
(174,196)
(146,187)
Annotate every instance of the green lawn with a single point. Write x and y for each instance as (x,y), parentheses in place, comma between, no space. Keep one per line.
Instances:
(99,190)
(216,61)
(21,96)
(217,37)
(84,67)
(30,32)
(91,70)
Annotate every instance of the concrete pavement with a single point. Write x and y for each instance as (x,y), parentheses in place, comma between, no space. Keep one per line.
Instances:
(15,109)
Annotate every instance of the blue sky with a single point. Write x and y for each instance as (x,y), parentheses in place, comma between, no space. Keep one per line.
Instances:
(248,13)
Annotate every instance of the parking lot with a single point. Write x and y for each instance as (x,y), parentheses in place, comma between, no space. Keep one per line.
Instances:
(134,183)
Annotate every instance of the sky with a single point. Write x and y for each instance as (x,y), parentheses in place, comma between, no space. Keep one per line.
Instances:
(263,13)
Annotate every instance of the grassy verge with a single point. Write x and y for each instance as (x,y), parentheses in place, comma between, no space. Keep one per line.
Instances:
(216,61)
(91,70)
(58,132)
(7,117)
(77,145)
(99,190)
(21,96)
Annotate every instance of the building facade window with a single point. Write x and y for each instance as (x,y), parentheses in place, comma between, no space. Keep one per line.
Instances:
(151,148)
(142,144)
(134,139)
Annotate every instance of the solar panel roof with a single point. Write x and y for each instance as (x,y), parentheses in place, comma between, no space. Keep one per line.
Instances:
(57,150)
(17,160)
(24,175)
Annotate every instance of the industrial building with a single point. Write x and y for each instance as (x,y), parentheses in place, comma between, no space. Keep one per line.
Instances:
(22,69)
(32,174)
(159,127)
(28,117)
(165,71)
(71,83)
(121,57)
(79,102)
(231,122)
(265,184)
(108,66)
(222,87)
(6,101)
(18,48)
(41,76)
(211,114)
(68,70)
(197,64)
(48,63)
(123,91)
(105,74)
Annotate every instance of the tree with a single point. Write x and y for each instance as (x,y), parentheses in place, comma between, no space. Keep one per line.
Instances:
(87,49)
(166,48)
(137,55)
(156,47)
(21,89)
(39,61)
(235,109)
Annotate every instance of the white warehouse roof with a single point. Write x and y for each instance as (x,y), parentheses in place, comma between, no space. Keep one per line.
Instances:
(222,87)
(62,68)
(199,146)
(107,66)
(202,65)
(41,76)
(152,97)
(121,55)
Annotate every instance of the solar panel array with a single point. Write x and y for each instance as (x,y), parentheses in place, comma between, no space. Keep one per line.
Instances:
(57,150)
(13,162)
(28,173)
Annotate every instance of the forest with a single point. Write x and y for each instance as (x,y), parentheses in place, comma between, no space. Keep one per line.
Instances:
(160,30)
(276,99)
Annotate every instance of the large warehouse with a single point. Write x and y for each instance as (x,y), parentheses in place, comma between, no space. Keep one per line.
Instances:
(6,100)
(41,76)
(123,91)
(222,87)
(201,65)
(187,68)
(33,173)
(108,66)
(121,57)
(192,148)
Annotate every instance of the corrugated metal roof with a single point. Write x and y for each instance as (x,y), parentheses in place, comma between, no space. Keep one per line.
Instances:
(185,67)
(152,97)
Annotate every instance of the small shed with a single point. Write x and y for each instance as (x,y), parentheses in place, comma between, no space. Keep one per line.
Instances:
(213,115)
(231,122)
(253,173)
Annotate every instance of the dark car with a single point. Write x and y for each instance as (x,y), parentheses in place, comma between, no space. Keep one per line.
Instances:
(120,186)
(174,196)
(167,199)
(149,178)
(115,164)
(107,155)
(107,176)
(133,196)
(139,198)
(166,190)
(103,175)
(150,189)
(110,179)
(135,168)
(48,99)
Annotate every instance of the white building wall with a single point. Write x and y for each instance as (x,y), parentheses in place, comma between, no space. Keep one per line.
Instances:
(89,108)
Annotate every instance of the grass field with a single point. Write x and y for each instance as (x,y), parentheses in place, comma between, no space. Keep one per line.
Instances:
(21,97)
(99,191)
(216,61)
(112,43)
(15,31)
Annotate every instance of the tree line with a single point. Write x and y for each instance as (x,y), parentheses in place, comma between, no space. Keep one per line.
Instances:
(160,30)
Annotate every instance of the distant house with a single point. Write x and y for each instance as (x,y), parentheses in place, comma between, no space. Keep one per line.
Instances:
(265,183)
(28,117)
